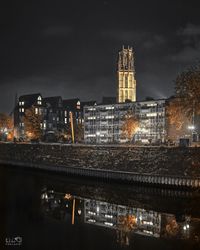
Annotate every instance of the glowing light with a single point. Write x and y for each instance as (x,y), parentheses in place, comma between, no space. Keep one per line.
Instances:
(191,127)
(67,196)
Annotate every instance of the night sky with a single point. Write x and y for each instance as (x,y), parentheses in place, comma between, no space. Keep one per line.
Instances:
(70,48)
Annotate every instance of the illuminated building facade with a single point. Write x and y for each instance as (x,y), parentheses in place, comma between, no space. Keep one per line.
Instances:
(103,123)
(126,89)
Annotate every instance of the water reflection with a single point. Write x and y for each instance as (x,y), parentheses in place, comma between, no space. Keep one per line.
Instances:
(57,212)
(124,220)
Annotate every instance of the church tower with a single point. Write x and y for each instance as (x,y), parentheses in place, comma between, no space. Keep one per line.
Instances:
(126,89)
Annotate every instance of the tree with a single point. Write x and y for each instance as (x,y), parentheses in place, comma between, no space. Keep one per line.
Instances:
(177,121)
(187,87)
(130,125)
(6,126)
(79,132)
(185,106)
(6,122)
(32,124)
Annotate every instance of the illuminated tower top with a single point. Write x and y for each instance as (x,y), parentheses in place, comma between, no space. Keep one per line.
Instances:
(126,83)
(126,59)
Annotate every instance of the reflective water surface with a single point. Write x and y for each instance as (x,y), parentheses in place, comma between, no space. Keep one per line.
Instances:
(49,211)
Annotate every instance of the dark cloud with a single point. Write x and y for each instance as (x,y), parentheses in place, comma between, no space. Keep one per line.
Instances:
(190,30)
(70,48)
(57,31)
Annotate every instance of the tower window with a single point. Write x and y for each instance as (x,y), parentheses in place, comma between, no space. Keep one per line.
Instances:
(126,81)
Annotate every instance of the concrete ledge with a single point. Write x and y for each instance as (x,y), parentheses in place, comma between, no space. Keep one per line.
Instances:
(128,177)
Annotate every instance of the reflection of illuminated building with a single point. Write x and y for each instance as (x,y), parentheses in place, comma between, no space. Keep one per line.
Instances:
(123,219)
(110,215)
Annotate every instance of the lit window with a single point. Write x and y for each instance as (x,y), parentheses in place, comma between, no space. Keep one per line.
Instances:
(78,105)
(91,117)
(22,103)
(109,117)
(39,100)
(44,125)
(22,109)
(65,120)
(151,114)
(65,112)
(109,107)
(36,111)
(108,224)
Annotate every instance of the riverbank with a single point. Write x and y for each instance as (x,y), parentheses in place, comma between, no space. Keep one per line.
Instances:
(164,161)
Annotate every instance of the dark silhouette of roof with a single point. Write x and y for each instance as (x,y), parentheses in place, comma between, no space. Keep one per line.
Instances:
(29,99)
(54,101)
(70,103)
(89,103)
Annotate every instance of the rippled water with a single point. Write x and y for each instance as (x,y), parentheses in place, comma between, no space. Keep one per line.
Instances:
(48,211)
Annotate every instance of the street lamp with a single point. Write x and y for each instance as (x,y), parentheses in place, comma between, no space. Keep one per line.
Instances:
(193,132)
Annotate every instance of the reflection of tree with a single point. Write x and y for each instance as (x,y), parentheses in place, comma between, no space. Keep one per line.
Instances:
(172,227)
(126,224)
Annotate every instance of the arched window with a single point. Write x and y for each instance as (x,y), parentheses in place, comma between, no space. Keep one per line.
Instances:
(39,100)
(78,104)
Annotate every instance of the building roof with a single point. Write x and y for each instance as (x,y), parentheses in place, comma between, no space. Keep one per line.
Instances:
(130,103)
(70,102)
(54,101)
(29,99)
(89,103)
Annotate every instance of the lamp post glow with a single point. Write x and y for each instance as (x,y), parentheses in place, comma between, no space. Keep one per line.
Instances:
(191,127)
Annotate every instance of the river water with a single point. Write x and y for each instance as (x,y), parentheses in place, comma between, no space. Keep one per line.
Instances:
(49,211)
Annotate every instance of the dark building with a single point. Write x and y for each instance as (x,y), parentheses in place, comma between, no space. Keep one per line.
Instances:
(73,106)
(55,113)
(26,102)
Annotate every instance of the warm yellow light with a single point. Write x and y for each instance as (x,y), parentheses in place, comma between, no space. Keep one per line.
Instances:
(67,196)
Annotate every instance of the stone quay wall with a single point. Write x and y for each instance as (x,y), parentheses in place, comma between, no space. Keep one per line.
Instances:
(162,161)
